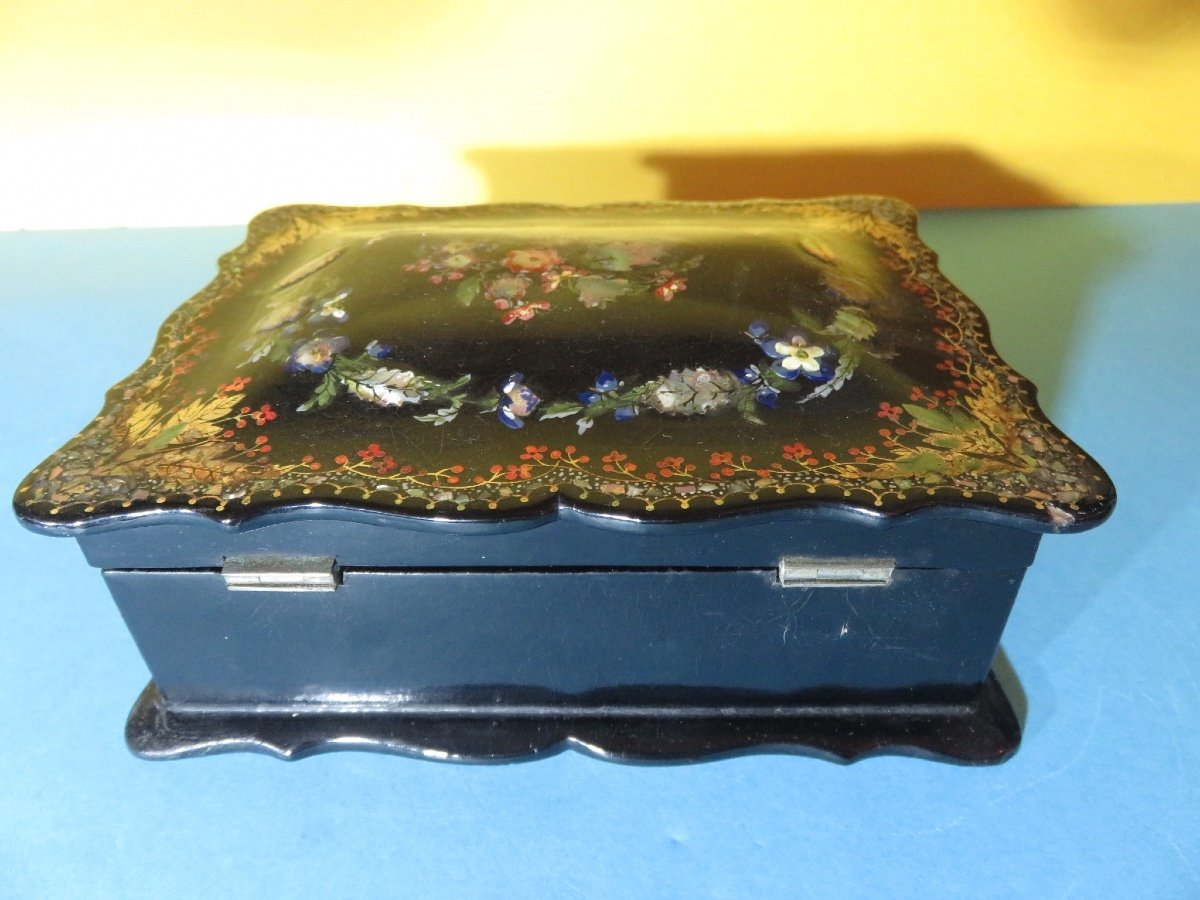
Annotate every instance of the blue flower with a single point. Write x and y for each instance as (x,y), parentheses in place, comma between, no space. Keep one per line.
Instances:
(757,329)
(516,401)
(380,349)
(748,375)
(315,355)
(767,396)
(796,355)
(605,382)
(624,413)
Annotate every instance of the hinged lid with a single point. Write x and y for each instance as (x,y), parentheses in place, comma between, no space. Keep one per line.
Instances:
(648,361)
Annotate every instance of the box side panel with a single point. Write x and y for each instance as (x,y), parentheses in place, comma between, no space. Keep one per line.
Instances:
(471,638)
(572,540)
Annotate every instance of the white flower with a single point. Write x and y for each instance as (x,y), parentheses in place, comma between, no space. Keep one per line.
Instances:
(388,387)
(797,354)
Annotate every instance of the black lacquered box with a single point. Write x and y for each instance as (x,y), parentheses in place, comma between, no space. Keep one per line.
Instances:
(658,481)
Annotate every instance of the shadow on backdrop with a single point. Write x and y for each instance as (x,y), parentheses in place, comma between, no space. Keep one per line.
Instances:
(929,177)
(1126,22)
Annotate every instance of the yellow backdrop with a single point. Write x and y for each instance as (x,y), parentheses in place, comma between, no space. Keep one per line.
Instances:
(115,112)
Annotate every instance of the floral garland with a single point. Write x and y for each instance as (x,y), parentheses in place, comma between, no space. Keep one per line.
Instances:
(625,267)
(796,357)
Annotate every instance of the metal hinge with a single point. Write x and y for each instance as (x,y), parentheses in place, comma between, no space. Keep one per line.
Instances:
(281,573)
(805,572)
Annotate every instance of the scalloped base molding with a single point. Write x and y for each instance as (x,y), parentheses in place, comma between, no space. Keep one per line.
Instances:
(984,732)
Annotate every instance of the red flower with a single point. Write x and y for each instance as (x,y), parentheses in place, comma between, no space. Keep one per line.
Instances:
(669,465)
(795,451)
(263,415)
(524,313)
(721,458)
(669,288)
(890,411)
(236,385)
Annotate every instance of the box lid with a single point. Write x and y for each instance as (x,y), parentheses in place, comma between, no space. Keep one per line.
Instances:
(650,361)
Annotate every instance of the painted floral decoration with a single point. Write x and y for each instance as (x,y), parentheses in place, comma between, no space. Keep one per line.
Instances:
(186,431)
(522,282)
(315,355)
(795,354)
(516,401)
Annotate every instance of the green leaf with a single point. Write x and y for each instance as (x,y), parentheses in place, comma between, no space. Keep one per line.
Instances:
(921,463)
(167,435)
(949,441)
(933,419)
(468,290)
(324,394)
(853,323)
(441,417)
(560,410)
(964,421)
(777,381)
(600,290)
(747,406)
(847,364)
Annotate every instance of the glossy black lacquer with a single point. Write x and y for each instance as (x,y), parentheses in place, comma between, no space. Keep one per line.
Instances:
(982,731)
(559,457)
(661,362)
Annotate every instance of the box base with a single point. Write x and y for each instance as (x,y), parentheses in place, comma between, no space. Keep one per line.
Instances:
(982,732)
